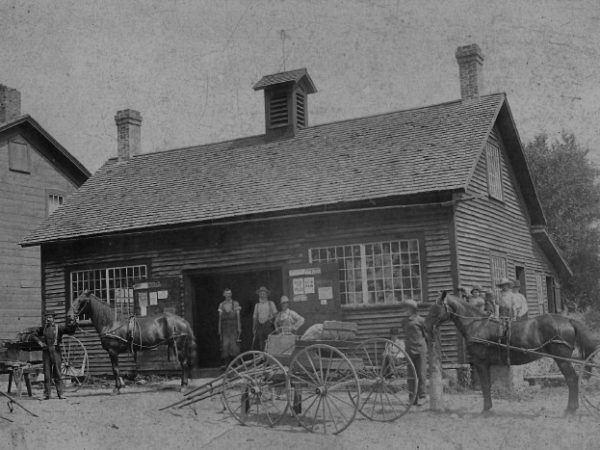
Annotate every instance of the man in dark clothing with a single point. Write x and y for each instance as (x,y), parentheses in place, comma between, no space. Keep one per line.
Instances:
(416,347)
(49,337)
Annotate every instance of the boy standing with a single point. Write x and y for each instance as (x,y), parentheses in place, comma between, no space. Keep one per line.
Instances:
(416,347)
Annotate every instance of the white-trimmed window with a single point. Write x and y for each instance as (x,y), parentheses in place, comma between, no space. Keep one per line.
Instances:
(114,285)
(497,270)
(494,170)
(54,200)
(375,273)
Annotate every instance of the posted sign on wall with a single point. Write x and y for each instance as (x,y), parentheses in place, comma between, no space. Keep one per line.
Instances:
(313,289)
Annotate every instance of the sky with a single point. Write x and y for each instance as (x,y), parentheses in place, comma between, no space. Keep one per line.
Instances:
(189,66)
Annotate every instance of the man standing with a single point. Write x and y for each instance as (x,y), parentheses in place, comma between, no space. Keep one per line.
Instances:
(477,299)
(49,337)
(520,308)
(262,319)
(230,327)
(416,347)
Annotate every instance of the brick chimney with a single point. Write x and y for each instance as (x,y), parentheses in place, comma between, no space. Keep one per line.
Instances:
(10,104)
(286,102)
(470,70)
(129,125)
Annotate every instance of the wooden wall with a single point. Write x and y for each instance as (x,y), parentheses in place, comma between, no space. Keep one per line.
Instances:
(485,227)
(263,244)
(23,206)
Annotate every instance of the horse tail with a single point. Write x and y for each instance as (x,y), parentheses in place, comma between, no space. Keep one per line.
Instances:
(584,339)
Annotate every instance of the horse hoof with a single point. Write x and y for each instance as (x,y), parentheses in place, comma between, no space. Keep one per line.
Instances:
(487,413)
(116,391)
(569,412)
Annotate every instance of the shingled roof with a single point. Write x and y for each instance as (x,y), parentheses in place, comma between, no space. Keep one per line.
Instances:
(424,150)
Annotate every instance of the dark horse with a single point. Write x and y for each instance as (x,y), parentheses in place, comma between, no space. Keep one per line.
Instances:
(547,335)
(138,334)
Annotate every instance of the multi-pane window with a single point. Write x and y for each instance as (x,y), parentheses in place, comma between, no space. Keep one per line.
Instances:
(497,270)
(54,201)
(494,170)
(375,273)
(114,285)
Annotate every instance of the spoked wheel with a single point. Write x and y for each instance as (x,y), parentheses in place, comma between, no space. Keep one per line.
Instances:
(75,364)
(387,380)
(589,383)
(255,389)
(324,389)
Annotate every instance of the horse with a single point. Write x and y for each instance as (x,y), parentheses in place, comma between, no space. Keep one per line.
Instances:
(491,341)
(138,334)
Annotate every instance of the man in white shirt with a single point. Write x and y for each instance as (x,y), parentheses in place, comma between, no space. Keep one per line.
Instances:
(520,307)
(287,321)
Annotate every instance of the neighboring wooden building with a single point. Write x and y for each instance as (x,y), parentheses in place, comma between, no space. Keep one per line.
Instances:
(346,218)
(36,176)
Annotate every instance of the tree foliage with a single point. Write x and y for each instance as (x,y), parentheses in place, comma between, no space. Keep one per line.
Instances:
(567,185)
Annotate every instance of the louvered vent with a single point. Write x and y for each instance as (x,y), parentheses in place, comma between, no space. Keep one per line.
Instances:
(278,110)
(300,110)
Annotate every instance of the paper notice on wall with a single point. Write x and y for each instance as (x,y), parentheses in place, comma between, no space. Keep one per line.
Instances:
(153,298)
(298,285)
(309,285)
(325,293)
(163,295)
(143,303)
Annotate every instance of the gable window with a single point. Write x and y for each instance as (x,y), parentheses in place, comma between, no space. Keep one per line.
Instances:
(54,200)
(494,170)
(114,285)
(376,273)
(18,157)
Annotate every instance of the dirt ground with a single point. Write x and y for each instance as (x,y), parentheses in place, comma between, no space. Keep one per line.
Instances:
(94,419)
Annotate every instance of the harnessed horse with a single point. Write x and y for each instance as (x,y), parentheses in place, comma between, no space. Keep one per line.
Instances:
(488,342)
(138,334)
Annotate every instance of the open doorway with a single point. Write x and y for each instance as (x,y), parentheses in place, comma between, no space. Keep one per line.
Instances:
(208,289)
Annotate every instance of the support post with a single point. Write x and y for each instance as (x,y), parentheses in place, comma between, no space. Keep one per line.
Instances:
(436,388)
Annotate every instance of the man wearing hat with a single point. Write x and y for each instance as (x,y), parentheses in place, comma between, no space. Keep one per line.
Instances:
(506,299)
(49,337)
(520,309)
(287,320)
(230,327)
(416,346)
(262,319)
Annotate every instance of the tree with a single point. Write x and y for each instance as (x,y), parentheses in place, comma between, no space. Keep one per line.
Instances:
(567,185)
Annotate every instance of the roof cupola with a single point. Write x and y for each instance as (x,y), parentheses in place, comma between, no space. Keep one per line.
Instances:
(286,105)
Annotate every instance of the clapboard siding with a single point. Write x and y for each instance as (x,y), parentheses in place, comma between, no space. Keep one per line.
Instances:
(23,206)
(260,244)
(488,227)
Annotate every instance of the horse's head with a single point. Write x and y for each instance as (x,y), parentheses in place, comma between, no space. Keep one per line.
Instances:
(80,305)
(442,310)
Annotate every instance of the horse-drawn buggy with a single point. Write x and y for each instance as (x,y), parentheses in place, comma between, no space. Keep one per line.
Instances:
(21,359)
(324,384)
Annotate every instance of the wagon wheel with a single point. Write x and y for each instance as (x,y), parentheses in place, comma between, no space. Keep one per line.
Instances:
(388,385)
(254,389)
(589,383)
(324,389)
(75,364)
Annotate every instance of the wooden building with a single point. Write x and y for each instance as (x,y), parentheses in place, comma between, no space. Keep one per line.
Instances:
(346,218)
(36,175)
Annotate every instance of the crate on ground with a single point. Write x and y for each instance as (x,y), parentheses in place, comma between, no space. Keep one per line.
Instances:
(337,330)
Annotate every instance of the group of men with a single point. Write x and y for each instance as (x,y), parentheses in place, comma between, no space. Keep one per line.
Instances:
(510,303)
(266,319)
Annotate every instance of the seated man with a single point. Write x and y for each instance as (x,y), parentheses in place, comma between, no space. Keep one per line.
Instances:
(287,321)
(393,354)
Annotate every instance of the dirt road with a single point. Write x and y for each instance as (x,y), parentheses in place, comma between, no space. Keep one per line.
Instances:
(93,419)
